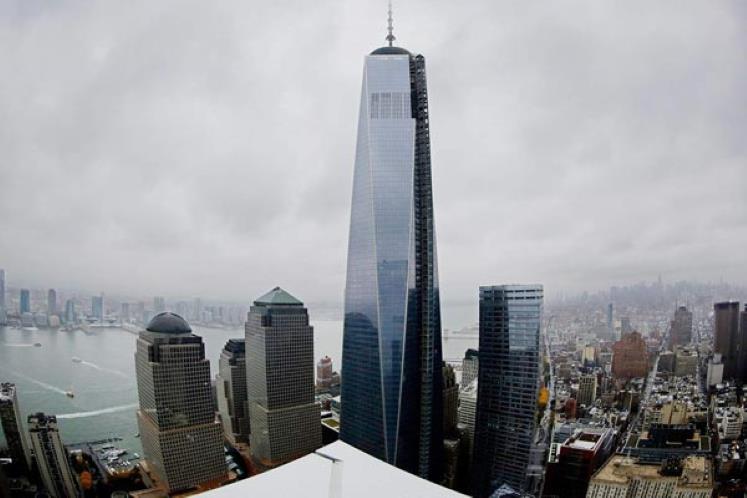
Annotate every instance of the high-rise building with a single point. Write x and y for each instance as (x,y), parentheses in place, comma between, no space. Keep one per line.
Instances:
(124,314)
(324,371)
(285,418)
(232,391)
(451,401)
(25,301)
(470,364)
(69,311)
(630,357)
(11,422)
(197,309)
(610,322)
(182,442)
(2,290)
(97,307)
(159,304)
(468,412)
(391,358)
(576,459)
(508,385)
(51,302)
(743,344)
(681,328)
(625,327)
(51,456)
(587,390)
(726,340)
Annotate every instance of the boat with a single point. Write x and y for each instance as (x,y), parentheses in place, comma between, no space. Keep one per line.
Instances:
(77,360)
(37,344)
(69,394)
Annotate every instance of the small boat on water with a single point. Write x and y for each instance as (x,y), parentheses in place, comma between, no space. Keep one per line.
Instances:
(37,344)
(77,360)
(69,394)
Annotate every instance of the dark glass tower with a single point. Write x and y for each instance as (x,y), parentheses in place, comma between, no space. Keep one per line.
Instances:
(392,404)
(508,384)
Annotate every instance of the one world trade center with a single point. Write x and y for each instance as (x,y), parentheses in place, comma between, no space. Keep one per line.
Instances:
(392,404)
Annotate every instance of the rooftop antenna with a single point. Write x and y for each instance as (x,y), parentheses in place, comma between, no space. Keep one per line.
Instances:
(390,28)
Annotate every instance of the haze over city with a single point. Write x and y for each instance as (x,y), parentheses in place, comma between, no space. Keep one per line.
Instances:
(192,148)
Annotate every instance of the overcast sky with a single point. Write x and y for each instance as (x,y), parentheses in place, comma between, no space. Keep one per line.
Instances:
(206,148)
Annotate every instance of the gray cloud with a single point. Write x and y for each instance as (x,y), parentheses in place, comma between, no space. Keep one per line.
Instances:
(192,148)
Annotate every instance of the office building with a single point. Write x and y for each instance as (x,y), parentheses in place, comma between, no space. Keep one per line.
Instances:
(69,311)
(681,328)
(285,418)
(610,322)
(622,477)
(324,373)
(726,340)
(25,301)
(182,442)
(97,307)
(685,362)
(577,458)
(715,371)
(630,357)
(508,385)
(467,413)
(11,423)
(51,302)
(51,457)
(159,304)
(232,391)
(451,401)
(470,364)
(587,390)
(392,406)
(124,314)
(743,345)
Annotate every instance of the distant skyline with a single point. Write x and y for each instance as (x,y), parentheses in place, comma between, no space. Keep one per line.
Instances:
(192,149)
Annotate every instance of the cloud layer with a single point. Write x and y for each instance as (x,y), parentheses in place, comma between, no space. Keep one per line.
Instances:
(190,148)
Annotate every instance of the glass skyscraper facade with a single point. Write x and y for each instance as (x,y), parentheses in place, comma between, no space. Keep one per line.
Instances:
(392,381)
(508,384)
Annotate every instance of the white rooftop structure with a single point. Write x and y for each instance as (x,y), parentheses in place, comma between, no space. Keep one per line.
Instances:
(335,471)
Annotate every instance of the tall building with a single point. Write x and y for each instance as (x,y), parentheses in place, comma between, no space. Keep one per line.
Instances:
(681,328)
(25,301)
(587,390)
(51,456)
(69,311)
(630,357)
(182,442)
(577,458)
(391,357)
(610,322)
(468,412)
(51,302)
(743,344)
(285,418)
(159,304)
(726,340)
(324,372)
(508,385)
(232,391)
(470,364)
(451,401)
(97,307)
(2,290)
(11,422)
(124,314)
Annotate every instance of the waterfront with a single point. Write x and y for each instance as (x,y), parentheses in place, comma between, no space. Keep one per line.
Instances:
(103,382)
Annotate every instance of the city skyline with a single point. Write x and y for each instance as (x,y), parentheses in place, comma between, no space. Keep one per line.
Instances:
(520,127)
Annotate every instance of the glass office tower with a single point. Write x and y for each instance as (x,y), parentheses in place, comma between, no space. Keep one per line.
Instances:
(391,359)
(508,384)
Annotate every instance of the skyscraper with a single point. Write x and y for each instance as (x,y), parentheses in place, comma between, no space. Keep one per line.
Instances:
(97,307)
(51,302)
(610,323)
(25,301)
(587,390)
(51,456)
(159,304)
(232,391)
(743,344)
(10,419)
(70,311)
(681,328)
(470,364)
(630,357)
(726,338)
(285,418)
(391,358)
(182,442)
(508,384)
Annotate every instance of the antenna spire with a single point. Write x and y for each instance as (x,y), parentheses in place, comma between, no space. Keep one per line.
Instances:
(390,28)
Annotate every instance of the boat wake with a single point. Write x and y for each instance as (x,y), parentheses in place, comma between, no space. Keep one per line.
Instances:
(17,345)
(94,413)
(104,369)
(37,382)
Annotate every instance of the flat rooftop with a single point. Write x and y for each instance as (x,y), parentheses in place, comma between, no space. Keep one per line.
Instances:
(620,469)
(337,470)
